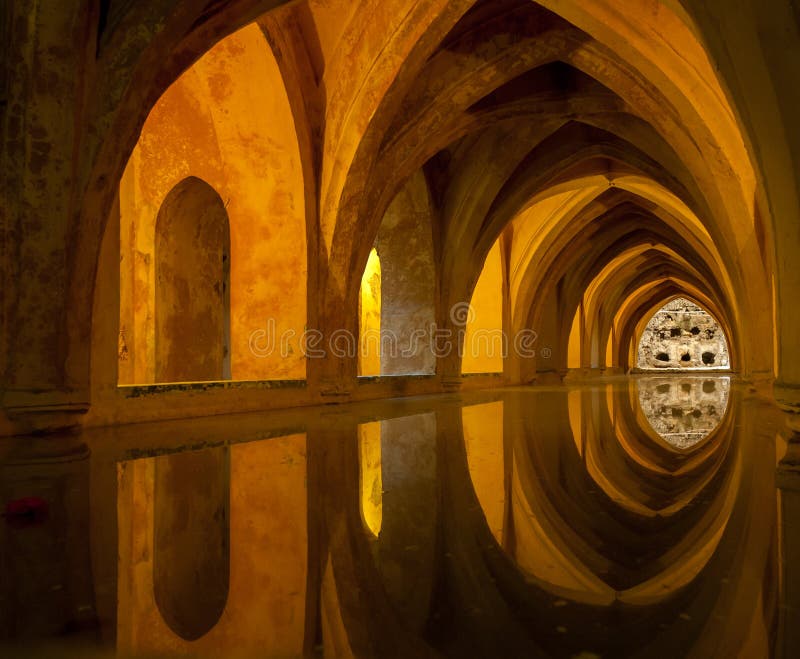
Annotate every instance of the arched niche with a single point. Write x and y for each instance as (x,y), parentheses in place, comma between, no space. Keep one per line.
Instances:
(369,317)
(192,285)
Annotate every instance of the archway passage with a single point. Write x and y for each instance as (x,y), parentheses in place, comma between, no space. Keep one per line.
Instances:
(192,310)
(682,335)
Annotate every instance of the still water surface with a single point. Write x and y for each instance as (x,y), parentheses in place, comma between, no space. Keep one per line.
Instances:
(638,518)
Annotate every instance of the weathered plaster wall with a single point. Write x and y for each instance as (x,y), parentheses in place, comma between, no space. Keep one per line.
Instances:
(683,335)
(408,282)
(213,123)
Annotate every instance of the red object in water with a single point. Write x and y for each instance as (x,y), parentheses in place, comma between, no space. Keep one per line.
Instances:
(26,511)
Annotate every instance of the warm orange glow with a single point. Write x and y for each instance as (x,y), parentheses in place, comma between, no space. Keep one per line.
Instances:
(574,354)
(369,442)
(268,545)
(483,342)
(239,138)
(369,313)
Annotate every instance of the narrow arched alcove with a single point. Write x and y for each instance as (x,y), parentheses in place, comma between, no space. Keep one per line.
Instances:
(682,335)
(369,317)
(192,287)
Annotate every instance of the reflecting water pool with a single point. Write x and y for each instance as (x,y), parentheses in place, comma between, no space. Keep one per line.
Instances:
(634,518)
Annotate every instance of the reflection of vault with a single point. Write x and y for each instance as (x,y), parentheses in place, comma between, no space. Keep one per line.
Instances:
(582,509)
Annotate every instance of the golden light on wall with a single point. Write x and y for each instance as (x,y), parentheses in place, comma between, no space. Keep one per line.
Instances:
(369,448)
(369,317)
(215,126)
(574,349)
(483,341)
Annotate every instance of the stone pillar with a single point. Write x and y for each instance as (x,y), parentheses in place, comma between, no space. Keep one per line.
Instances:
(41,133)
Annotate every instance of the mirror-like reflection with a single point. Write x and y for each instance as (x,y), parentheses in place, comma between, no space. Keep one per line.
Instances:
(684,410)
(528,522)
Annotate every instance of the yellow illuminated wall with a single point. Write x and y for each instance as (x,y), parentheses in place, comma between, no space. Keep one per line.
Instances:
(214,124)
(369,311)
(483,342)
(574,349)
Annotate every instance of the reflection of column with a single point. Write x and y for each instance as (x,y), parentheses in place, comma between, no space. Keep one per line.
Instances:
(44,544)
(352,588)
(788,480)
(191,548)
(407,540)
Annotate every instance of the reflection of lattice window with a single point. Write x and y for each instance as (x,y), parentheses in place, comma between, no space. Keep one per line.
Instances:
(682,335)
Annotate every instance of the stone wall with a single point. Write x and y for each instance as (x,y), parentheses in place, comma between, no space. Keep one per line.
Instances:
(682,335)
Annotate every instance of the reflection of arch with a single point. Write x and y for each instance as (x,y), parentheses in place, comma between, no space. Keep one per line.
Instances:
(191,539)
(192,254)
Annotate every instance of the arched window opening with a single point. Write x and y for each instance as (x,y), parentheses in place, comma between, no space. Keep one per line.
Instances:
(682,335)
